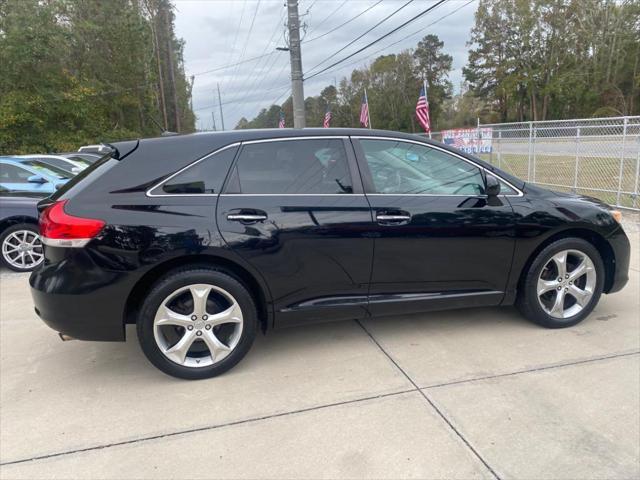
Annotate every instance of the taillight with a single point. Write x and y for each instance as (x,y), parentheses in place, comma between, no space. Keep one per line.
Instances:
(58,228)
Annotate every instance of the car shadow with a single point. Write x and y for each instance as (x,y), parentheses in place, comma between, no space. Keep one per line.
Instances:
(295,343)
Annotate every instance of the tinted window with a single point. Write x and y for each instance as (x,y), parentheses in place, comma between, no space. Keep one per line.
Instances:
(13,174)
(408,168)
(293,166)
(506,189)
(205,176)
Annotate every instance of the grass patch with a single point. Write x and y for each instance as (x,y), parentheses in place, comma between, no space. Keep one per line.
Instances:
(592,175)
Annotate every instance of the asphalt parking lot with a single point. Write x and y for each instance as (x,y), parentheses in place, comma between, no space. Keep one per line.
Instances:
(462,394)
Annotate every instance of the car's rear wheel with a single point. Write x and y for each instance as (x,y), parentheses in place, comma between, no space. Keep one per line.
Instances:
(197,323)
(563,284)
(21,248)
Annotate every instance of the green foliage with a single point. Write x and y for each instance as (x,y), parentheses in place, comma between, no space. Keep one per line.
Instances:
(549,59)
(71,77)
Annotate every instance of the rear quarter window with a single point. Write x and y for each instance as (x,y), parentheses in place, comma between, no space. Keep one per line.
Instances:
(203,177)
(92,172)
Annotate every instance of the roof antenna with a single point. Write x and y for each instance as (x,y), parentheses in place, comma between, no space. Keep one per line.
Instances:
(165,133)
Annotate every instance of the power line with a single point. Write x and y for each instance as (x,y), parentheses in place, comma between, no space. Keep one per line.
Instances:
(421,30)
(224,67)
(362,35)
(235,38)
(275,102)
(391,32)
(328,16)
(246,40)
(233,102)
(342,24)
(254,82)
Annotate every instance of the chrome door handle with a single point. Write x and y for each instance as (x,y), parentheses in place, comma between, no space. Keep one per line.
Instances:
(243,217)
(393,218)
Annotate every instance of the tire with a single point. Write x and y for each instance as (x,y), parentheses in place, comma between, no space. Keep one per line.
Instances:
(543,276)
(169,310)
(12,239)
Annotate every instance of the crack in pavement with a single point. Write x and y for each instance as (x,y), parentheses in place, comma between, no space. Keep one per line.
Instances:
(535,369)
(432,404)
(324,406)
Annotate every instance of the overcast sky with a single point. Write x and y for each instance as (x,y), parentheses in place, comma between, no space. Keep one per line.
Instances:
(218,33)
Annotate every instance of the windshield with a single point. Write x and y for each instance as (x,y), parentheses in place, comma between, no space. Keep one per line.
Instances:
(49,170)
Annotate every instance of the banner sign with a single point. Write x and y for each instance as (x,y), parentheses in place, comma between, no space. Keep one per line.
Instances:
(466,139)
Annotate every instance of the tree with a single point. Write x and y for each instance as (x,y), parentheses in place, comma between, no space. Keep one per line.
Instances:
(434,66)
(68,79)
(548,59)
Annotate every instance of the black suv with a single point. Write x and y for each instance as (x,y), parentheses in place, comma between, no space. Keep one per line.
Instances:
(203,239)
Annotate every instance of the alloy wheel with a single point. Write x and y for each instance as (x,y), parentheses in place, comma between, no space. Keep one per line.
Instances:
(198,325)
(566,283)
(22,249)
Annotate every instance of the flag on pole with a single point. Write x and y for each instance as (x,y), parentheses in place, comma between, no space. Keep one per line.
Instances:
(327,117)
(281,120)
(364,111)
(422,110)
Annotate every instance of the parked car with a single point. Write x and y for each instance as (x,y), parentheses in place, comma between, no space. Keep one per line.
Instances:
(20,246)
(202,240)
(33,176)
(59,162)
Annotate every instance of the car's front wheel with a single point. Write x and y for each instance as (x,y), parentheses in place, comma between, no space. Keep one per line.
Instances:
(197,323)
(21,247)
(563,284)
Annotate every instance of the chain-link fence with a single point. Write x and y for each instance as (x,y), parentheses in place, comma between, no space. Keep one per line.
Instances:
(599,157)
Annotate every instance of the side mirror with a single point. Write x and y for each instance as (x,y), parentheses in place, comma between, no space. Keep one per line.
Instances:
(36,179)
(492,186)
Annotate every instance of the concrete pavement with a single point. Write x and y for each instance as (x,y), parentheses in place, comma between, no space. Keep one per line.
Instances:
(463,394)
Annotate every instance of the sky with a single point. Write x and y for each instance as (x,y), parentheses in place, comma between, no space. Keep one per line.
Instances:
(219,33)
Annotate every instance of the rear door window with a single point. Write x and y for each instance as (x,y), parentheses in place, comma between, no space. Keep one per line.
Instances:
(305,166)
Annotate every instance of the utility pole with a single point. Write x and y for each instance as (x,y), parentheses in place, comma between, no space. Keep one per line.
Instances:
(295,53)
(172,77)
(193,78)
(220,105)
(213,117)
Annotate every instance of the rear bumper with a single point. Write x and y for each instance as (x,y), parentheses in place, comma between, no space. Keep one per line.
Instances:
(80,299)
(622,252)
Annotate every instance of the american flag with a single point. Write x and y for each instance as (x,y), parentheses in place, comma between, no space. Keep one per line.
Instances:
(364,111)
(281,120)
(327,118)
(422,110)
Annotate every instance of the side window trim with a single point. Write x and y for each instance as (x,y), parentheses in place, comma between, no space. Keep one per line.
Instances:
(351,158)
(150,192)
(368,180)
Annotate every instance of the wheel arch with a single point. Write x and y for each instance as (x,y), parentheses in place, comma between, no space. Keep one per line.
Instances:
(16,220)
(259,292)
(594,238)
